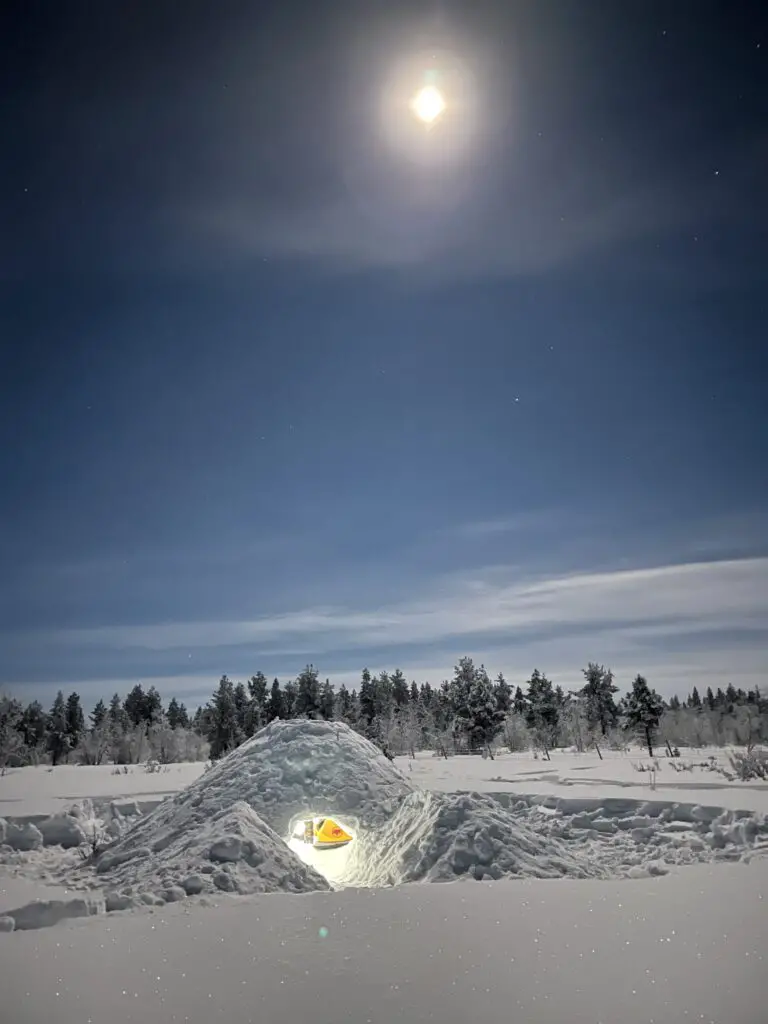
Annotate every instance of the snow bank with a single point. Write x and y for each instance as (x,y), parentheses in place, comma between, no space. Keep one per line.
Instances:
(46,913)
(439,837)
(22,836)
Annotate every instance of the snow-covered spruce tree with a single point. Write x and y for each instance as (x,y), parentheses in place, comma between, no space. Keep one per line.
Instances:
(11,737)
(642,709)
(542,711)
(58,739)
(258,690)
(290,693)
(367,703)
(458,695)
(177,715)
(224,734)
(399,690)
(327,701)
(307,703)
(34,729)
(477,715)
(242,709)
(503,693)
(275,705)
(75,720)
(597,698)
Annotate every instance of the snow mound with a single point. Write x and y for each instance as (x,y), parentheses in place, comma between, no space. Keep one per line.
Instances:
(301,768)
(198,850)
(437,837)
(227,831)
(22,837)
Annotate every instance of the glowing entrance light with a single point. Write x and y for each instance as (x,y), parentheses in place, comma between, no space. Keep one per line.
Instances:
(428,104)
(324,844)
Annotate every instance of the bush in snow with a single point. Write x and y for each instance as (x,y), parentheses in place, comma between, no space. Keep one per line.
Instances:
(753,764)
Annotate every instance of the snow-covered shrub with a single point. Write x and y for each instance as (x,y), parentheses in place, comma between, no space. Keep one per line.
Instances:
(751,764)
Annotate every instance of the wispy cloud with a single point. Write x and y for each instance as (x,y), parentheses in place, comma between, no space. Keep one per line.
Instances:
(700,596)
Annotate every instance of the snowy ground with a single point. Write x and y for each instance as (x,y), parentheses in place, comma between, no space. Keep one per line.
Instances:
(689,946)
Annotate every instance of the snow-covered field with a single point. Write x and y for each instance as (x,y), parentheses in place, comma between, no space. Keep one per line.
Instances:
(615,900)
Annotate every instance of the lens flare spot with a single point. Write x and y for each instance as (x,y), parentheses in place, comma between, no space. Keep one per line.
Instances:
(428,104)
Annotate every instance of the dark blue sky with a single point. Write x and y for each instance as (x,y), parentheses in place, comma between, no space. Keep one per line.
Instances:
(286,377)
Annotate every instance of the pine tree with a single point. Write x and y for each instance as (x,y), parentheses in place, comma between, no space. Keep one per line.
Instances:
(484,720)
(400,692)
(367,700)
(117,715)
(542,711)
(459,695)
(258,689)
(503,692)
(177,715)
(11,736)
(710,699)
(674,703)
(242,710)
(134,705)
(153,706)
(34,725)
(413,693)
(99,714)
(290,693)
(642,709)
(327,701)
(58,740)
(597,697)
(694,700)
(383,700)
(224,732)
(308,694)
(343,707)
(75,720)
(275,706)
(519,703)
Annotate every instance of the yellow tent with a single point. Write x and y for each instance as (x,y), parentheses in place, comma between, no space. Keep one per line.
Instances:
(328,833)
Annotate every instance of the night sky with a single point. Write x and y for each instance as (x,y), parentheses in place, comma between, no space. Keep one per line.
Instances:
(286,376)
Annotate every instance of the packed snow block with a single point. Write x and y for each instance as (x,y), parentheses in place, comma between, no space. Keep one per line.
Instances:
(174,894)
(62,830)
(118,901)
(193,885)
(23,837)
(114,858)
(46,913)
(7,924)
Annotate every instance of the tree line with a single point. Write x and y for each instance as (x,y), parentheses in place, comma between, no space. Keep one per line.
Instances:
(466,714)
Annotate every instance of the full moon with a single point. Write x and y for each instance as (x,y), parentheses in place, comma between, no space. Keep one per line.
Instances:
(428,104)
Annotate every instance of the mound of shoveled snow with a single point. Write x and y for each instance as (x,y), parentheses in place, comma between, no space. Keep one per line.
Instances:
(443,836)
(227,830)
(201,850)
(440,837)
